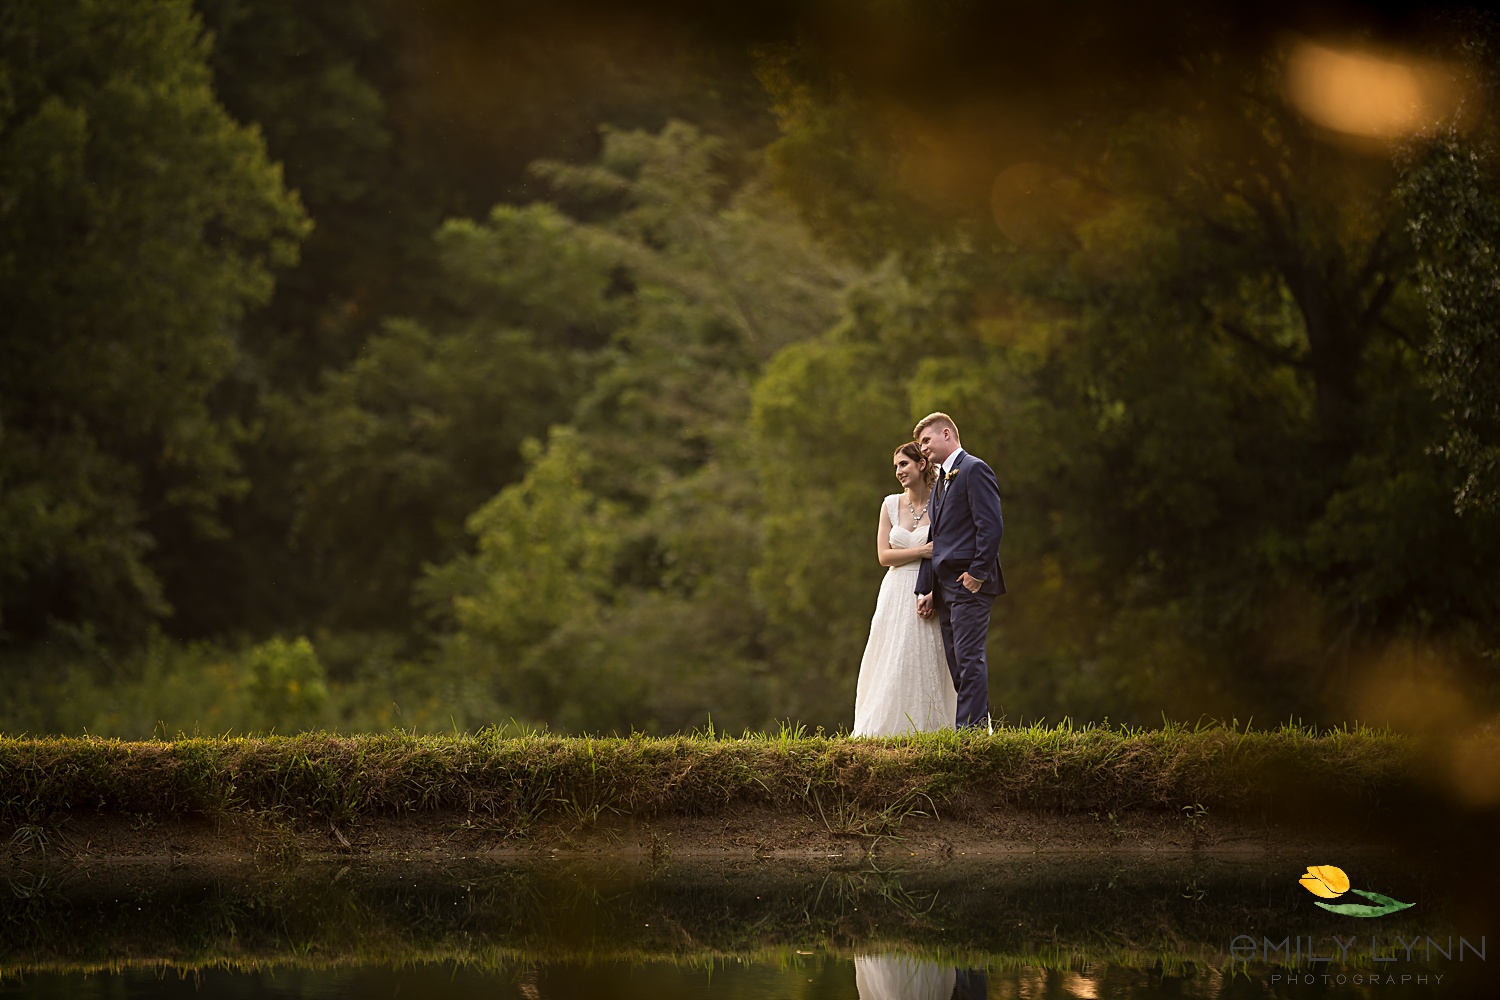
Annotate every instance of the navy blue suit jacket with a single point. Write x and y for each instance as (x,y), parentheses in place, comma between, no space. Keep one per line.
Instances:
(966,529)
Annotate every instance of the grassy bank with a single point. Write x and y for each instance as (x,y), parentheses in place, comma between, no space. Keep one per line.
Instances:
(512,782)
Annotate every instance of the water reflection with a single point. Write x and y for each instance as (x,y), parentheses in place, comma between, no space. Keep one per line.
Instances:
(1035,927)
(894,976)
(816,979)
(901,977)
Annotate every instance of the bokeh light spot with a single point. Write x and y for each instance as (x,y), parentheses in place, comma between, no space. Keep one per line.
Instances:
(1364,95)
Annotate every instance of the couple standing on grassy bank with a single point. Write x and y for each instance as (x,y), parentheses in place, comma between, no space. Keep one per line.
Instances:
(924,666)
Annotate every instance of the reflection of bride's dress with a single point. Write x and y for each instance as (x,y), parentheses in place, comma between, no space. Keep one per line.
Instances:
(904,682)
(901,977)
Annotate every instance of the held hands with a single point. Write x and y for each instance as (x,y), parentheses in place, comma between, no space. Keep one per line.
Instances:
(924,602)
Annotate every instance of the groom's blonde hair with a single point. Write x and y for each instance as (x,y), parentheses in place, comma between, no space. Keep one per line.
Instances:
(934,418)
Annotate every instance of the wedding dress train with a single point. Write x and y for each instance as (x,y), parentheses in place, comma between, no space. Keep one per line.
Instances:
(904,683)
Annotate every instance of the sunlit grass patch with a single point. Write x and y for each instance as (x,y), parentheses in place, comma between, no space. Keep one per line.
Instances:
(513,779)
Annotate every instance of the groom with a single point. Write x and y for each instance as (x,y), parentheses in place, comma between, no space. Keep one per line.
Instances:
(962,579)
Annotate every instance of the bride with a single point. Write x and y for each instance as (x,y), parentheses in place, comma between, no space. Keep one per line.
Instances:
(904,684)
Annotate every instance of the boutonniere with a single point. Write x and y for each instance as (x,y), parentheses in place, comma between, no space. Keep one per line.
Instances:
(949,477)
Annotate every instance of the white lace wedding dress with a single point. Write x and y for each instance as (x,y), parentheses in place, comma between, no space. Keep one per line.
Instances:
(904,684)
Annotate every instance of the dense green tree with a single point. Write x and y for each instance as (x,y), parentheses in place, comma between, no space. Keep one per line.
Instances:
(611,586)
(623,436)
(1455,198)
(390,117)
(317,80)
(138,223)
(1194,352)
(1252,352)
(394,452)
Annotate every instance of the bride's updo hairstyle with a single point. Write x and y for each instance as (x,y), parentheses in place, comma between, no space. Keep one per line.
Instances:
(911,451)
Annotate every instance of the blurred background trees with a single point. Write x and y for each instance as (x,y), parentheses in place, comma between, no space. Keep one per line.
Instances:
(374,364)
(139,223)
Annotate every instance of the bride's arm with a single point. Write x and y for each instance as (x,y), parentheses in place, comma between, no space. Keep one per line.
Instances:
(887,555)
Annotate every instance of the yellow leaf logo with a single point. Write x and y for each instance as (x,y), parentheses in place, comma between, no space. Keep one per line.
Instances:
(1326,881)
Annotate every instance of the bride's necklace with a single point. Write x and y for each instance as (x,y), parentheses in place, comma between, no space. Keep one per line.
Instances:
(916,518)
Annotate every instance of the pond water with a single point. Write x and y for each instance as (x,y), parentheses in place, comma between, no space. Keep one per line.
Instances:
(1023,927)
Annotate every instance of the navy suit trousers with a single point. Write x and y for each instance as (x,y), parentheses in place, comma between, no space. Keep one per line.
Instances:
(965,618)
(970,984)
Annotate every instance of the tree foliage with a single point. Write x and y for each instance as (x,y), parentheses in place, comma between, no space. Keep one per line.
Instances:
(610,588)
(139,222)
(1193,349)
(396,450)
(1455,202)
(603,450)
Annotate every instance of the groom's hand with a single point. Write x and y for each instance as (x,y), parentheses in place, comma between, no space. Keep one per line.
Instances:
(970,584)
(924,606)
